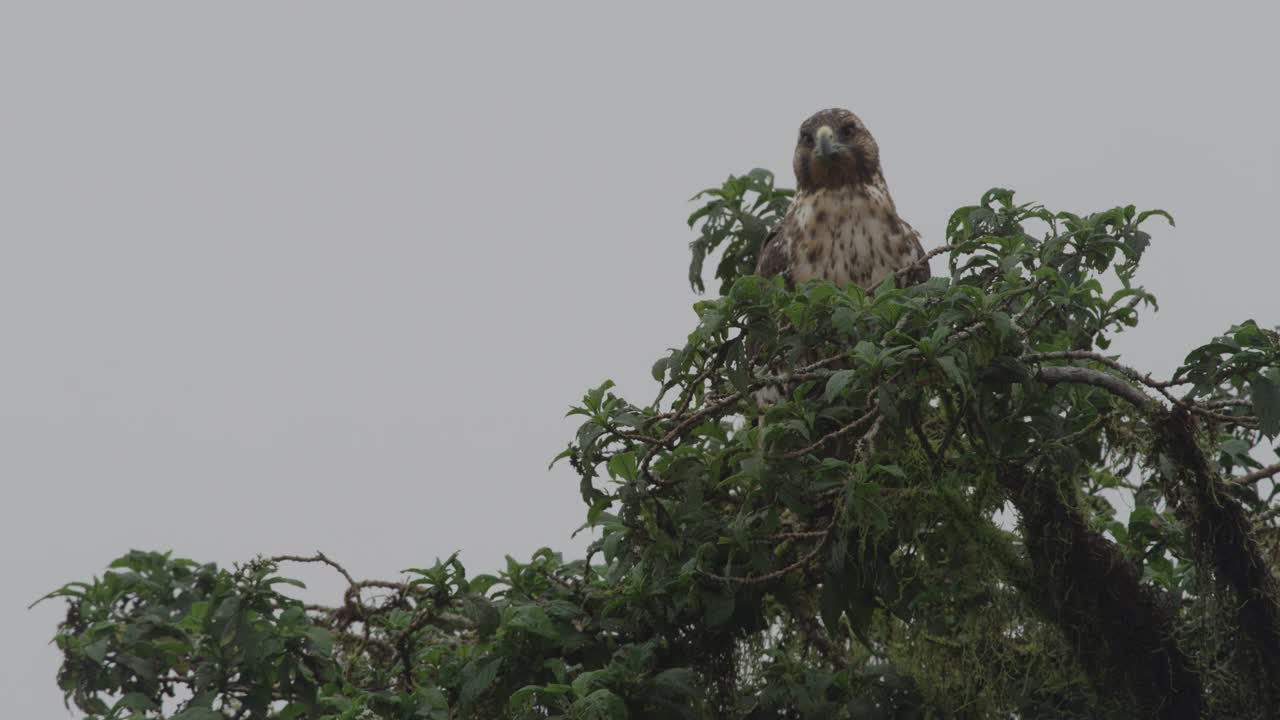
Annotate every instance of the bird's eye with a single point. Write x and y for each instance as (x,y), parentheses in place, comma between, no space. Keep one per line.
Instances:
(806,138)
(848,130)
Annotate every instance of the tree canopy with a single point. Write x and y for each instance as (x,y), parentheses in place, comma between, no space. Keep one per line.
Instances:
(919,523)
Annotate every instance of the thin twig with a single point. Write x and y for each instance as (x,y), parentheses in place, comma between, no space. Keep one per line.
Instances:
(843,430)
(864,442)
(318,557)
(1230,402)
(757,579)
(1082,432)
(922,260)
(712,365)
(1248,421)
(797,534)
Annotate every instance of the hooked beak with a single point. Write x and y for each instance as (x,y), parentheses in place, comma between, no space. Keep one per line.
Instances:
(825,144)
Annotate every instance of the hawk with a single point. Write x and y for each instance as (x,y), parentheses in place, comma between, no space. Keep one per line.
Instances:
(842,225)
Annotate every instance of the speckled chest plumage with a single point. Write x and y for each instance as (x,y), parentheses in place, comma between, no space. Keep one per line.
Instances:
(846,235)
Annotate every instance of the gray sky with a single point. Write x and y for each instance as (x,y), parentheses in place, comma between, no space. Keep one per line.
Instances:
(285,276)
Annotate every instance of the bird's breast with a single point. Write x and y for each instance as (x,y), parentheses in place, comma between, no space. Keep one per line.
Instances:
(846,236)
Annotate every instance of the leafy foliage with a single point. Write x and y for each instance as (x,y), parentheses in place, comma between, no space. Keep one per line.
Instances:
(842,503)
(739,214)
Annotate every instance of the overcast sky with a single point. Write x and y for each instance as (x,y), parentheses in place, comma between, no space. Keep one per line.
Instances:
(284,276)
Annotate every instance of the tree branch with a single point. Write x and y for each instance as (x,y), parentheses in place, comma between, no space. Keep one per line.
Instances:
(1122,636)
(1256,475)
(1097,378)
(1223,533)
(319,557)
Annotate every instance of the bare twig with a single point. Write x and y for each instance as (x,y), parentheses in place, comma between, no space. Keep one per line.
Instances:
(965,333)
(319,557)
(1248,421)
(712,365)
(757,579)
(864,442)
(819,364)
(922,260)
(1016,320)
(873,413)
(1082,432)
(1229,402)
(797,534)
(707,410)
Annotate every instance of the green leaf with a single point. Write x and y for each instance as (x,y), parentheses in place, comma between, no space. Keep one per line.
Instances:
(837,383)
(599,705)
(97,650)
(481,610)
(1001,324)
(522,698)
(954,373)
(321,640)
(585,683)
(136,701)
(142,667)
(1265,393)
(845,320)
(866,351)
(863,503)
(478,675)
(719,608)
(1148,213)
(679,681)
(623,465)
(831,605)
(287,581)
(531,619)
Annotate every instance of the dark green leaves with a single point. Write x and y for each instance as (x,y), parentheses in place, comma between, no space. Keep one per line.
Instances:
(149,621)
(1239,369)
(813,518)
(739,215)
(531,619)
(1264,392)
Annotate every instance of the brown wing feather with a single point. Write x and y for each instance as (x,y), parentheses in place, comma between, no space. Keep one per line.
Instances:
(773,259)
(921,272)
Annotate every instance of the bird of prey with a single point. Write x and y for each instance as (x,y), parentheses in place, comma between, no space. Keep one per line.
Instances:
(842,225)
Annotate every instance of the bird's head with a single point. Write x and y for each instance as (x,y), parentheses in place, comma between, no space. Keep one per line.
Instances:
(835,150)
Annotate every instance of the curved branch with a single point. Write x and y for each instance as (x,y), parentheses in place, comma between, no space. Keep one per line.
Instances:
(319,557)
(1160,386)
(1097,378)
